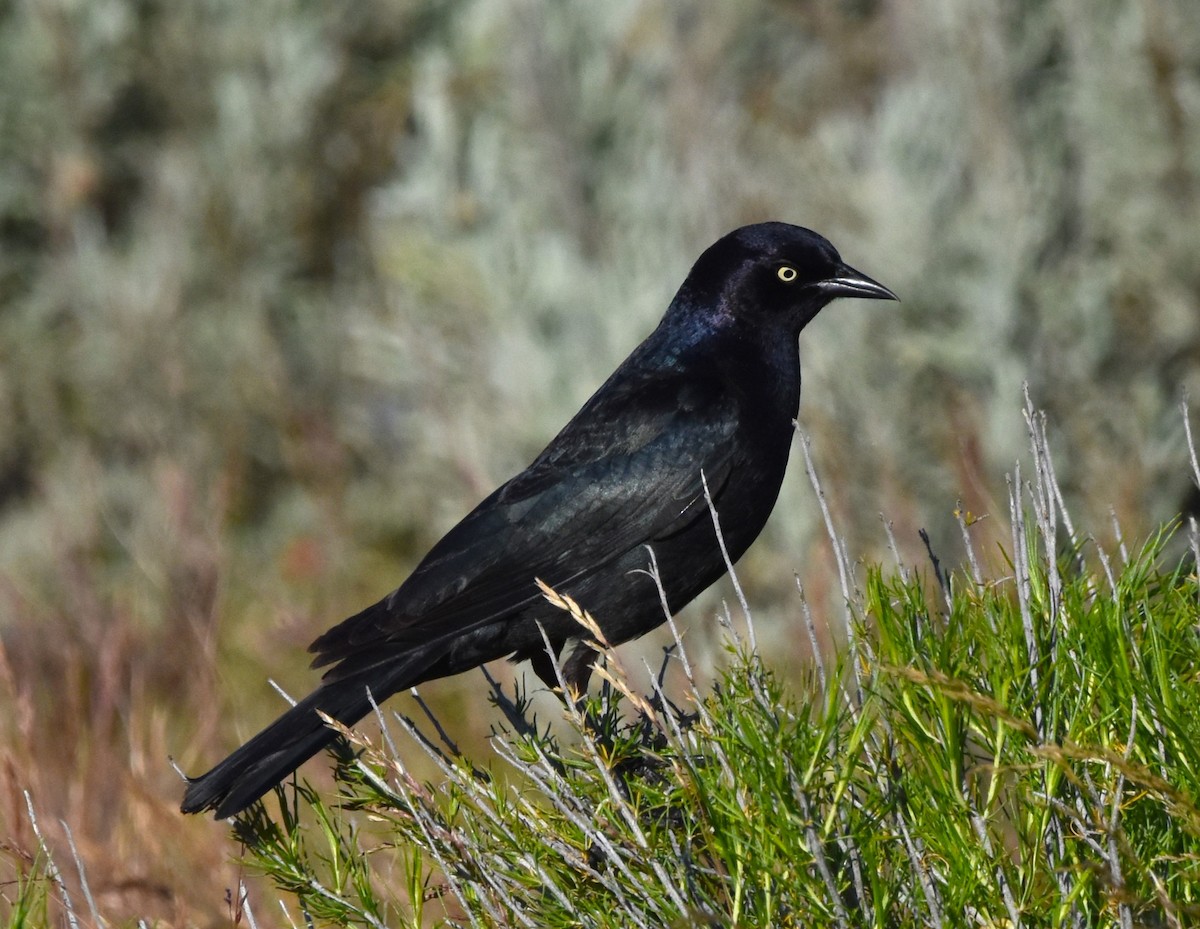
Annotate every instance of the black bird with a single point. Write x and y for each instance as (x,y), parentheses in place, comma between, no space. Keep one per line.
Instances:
(713,391)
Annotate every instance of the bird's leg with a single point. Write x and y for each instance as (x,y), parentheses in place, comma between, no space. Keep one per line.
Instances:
(545,665)
(577,669)
(602,720)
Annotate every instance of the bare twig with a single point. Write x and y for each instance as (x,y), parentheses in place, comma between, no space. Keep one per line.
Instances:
(83,881)
(891,537)
(737,587)
(964,526)
(842,560)
(51,868)
(810,625)
(942,580)
(1187,429)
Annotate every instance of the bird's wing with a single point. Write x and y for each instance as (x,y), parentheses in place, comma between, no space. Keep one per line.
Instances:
(624,472)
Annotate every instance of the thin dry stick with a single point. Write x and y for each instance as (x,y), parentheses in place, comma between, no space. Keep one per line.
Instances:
(287,915)
(850,847)
(1194,535)
(1010,902)
(839,548)
(450,744)
(384,730)
(737,587)
(686,741)
(656,576)
(1193,530)
(51,868)
(1024,586)
(725,621)
(83,881)
(817,852)
(283,693)
(811,626)
(1045,505)
(917,857)
(693,687)
(891,536)
(1106,565)
(842,563)
(244,904)
(1114,823)
(1052,509)
(1116,527)
(1053,840)
(389,744)
(964,528)
(1187,429)
(1052,474)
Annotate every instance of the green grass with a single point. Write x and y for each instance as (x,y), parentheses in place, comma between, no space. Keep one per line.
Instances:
(1020,749)
(27,898)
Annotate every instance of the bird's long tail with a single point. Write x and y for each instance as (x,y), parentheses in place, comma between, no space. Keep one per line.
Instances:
(293,738)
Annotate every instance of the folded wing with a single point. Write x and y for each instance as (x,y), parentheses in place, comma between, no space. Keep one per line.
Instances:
(592,495)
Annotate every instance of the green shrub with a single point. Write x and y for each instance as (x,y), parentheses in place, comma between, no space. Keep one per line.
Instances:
(1011,749)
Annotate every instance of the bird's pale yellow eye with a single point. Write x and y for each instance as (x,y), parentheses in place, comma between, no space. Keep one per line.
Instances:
(787,274)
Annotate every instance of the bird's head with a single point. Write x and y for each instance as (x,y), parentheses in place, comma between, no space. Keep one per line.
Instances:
(771,275)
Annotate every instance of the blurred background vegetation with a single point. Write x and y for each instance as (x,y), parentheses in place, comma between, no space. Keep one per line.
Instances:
(285,288)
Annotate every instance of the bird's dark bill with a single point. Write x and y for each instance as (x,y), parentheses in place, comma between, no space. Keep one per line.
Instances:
(852,283)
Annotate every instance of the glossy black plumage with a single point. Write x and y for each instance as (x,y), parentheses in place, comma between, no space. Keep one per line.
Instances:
(713,390)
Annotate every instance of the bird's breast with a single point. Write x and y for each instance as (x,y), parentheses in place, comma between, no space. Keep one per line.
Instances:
(767,402)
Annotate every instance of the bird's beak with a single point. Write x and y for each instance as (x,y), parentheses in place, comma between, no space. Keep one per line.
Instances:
(851,283)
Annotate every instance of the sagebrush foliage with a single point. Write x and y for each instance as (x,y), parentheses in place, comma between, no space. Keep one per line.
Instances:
(990,759)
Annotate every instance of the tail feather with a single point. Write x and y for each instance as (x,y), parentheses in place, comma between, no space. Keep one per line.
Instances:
(292,739)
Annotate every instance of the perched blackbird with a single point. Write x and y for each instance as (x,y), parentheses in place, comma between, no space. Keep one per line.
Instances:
(712,391)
